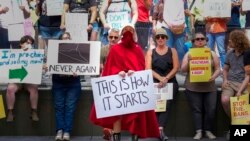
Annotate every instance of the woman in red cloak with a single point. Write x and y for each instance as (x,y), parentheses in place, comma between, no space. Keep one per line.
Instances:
(127,57)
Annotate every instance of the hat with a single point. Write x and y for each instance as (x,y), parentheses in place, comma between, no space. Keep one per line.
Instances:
(126,25)
(161,31)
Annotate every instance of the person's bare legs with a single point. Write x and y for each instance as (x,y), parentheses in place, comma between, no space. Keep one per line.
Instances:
(10,98)
(33,90)
(93,36)
(226,104)
(117,130)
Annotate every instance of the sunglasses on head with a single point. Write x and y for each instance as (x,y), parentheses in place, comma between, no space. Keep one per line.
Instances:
(160,36)
(113,37)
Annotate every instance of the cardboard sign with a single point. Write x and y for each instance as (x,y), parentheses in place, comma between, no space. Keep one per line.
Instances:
(118,19)
(19,66)
(2,110)
(240,110)
(217,8)
(114,95)
(68,57)
(54,7)
(76,24)
(200,64)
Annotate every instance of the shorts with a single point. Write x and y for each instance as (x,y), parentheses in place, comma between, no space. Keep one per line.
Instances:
(232,88)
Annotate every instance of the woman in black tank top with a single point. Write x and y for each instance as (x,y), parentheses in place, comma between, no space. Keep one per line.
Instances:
(164,63)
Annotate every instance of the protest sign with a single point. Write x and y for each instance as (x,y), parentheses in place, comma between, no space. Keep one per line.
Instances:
(164,93)
(117,19)
(247,31)
(68,57)
(54,7)
(114,95)
(2,110)
(246,5)
(15,32)
(161,105)
(19,66)
(16,14)
(240,110)
(217,8)
(173,12)
(76,24)
(200,64)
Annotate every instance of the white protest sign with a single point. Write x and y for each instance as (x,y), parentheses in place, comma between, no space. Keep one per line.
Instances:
(15,32)
(173,12)
(246,5)
(76,24)
(117,19)
(114,95)
(68,57)
(54,7)
(165,93)
(19,66)
(217,8)
(247,31)
(16,14)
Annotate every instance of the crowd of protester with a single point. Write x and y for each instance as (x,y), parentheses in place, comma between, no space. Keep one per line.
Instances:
(154,31)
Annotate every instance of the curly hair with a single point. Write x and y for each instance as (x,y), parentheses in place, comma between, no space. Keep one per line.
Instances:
(239,40)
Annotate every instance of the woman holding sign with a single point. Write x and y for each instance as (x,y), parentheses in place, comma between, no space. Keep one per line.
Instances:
(163,60)
(123,59)
(201,95)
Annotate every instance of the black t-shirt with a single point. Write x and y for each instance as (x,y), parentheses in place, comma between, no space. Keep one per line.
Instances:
(247,57)
(80,6)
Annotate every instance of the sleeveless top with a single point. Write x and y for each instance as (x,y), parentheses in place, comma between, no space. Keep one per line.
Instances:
(201,86)
(163,64)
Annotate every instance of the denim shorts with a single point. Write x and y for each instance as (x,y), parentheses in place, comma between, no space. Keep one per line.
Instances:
(50,32)
(95,26)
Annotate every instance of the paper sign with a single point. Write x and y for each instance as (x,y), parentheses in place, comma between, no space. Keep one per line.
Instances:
(76,24)
(165,93)
(161,106)
(117,19)
(54,7)
(69,56)
(2,110)
(114,95)
(200,64)
(15,32)
(19,66)
(217,8)
(246,5)
(240,110)
(16,15)
(173,13)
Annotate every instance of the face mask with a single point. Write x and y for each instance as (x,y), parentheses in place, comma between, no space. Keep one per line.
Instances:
(27,46)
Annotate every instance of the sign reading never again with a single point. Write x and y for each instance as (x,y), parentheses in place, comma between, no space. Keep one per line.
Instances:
(114,95)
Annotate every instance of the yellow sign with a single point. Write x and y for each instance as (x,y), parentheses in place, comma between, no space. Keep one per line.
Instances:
(240,110)
(2,111)
(200,64)
(161,106)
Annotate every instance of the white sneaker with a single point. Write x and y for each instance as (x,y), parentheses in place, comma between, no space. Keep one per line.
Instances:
(66,136)
(198,136)
(59,135)
(210,135)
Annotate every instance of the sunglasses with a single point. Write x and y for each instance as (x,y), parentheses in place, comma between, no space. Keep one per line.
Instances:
(160,36)
(200,39)
(113,37)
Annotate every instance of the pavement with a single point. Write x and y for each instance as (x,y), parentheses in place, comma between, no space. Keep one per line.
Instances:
(94,138)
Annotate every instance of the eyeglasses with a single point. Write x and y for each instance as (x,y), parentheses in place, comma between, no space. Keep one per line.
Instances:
(160,36)
(200,39)
(113,37)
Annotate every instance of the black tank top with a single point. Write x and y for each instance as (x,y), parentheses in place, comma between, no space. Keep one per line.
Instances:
(163,64)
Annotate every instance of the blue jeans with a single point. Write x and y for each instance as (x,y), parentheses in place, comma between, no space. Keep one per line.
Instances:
(178,42)
(104,36)
(66,93)
(50,32)
(219,39)
(198,101)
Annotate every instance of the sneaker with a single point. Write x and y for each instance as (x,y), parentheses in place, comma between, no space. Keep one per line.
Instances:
(59,135)
(66,136)
(228,136)
(163,137)
(107,134)
(210,135)
(198,136)
(34,115)
(10,116)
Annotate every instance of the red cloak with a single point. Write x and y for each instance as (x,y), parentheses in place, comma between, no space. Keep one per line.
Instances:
(143,124)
